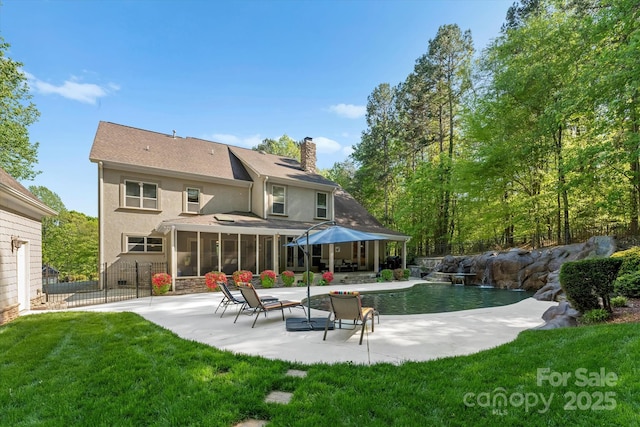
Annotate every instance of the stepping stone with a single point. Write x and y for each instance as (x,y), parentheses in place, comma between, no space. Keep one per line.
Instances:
(252,423)
(296,373)
(278,397)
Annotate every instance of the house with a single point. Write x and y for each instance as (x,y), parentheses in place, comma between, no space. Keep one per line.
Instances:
(21,216)
(203,206)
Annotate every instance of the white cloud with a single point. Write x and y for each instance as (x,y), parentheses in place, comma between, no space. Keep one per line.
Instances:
(326,145)
(347,150)
(249,141)
(89,93)
(349,111)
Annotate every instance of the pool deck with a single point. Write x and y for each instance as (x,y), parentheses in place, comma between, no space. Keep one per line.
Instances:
(397,339)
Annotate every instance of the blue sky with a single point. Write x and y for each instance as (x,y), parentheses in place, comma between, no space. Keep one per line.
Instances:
(230,71)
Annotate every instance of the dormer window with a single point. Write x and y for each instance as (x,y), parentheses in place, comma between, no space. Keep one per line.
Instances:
(321,205)
(279,197)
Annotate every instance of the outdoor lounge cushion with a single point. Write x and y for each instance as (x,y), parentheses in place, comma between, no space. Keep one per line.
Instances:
(230,299)
(346,305)
(254,302)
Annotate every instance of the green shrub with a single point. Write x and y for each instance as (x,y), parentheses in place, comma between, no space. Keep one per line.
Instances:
(386,275)
(619,301)
(288,277)
(310,279)
(630,260)
(586,280)
(628,285)
(597,315)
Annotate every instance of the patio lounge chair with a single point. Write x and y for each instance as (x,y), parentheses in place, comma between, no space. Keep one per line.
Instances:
(346,305)
(228,298)
(255,303)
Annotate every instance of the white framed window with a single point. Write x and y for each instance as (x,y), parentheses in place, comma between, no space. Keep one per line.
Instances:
(141,195)
(322,203)
(192,200)
(279,197)
(144,244)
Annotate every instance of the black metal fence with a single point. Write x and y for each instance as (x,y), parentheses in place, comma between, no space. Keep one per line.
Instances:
(120,281)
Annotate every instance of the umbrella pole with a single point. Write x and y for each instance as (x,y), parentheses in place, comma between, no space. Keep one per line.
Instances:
(307,261)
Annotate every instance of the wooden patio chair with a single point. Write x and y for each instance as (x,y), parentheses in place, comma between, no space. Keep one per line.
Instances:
(228,298)
(257,305)
(347,305)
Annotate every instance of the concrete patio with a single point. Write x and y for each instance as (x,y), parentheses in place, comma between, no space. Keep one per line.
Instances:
(397,339)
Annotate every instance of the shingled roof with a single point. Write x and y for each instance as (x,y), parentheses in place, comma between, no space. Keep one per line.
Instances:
(350,213)
(11,186)
(124,145)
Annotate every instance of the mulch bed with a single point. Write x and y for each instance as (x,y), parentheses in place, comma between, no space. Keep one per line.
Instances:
(630,313)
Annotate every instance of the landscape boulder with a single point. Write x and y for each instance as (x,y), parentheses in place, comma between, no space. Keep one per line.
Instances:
(532,270)
(559,316)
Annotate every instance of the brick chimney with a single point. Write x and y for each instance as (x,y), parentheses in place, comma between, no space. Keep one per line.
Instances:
(308,155)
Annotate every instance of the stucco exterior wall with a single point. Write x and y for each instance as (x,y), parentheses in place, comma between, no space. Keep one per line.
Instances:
(119,221)
(300,202)
(30,231)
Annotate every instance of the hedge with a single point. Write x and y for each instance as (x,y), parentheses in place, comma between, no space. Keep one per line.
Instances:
(586,280)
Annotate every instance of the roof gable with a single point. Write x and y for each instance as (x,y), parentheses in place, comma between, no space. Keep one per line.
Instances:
(126,145)
(21,196)
(350,213)
(277,166)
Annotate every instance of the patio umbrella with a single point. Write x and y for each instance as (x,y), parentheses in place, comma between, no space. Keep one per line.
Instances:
(333,234)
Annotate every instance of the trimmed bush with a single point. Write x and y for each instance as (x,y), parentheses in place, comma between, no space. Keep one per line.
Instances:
(386,275)
(288,277)
(628,281)
(630,260)
(304,278)
(628,285)
(586,280)
(597,315)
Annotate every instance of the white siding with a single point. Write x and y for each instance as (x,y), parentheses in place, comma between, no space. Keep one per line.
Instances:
(12,224)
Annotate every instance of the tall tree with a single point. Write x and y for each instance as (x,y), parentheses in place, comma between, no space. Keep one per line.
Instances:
(376,153)
(430,102)
(283,146)
(17,154)
(343,174)
(50,225)
(612,84)
(69,240)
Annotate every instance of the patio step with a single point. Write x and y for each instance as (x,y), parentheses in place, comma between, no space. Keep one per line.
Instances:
(352,279)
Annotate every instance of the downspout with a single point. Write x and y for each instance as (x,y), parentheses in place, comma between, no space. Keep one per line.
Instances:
(333,204)
(101,225)
(174,261)
(265,198)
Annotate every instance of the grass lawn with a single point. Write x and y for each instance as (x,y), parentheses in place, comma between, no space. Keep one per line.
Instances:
(117,369)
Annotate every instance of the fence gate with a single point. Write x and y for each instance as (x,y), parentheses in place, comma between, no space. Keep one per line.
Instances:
(120,281)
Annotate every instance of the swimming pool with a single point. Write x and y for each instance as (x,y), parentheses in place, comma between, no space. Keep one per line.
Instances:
(432,298)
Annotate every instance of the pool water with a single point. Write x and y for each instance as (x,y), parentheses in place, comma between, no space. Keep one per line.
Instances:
(432,298)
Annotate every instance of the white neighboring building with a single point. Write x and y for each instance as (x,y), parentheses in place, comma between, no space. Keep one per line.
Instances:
(21,216)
